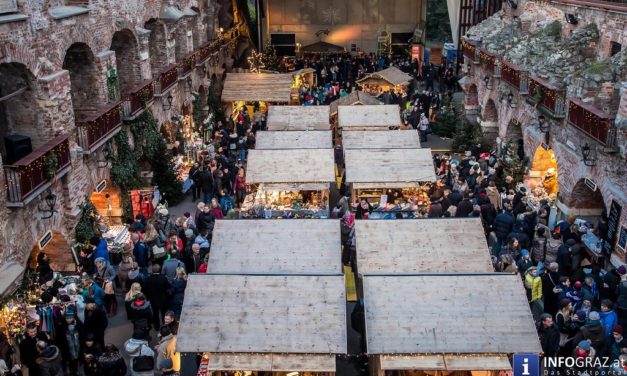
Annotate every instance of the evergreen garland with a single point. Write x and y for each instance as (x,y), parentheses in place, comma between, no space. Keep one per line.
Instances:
(86,227)
(197,111)
(124,170)
(214,102)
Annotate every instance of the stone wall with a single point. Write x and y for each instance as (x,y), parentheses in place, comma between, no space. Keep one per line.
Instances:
(574,58)
(66,59)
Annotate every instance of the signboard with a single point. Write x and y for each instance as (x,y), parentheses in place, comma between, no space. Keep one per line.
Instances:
(43,242)
(8,6)
(612,227)
(590,184)
(435,56)
(545,146)
(622,238)
(101,186)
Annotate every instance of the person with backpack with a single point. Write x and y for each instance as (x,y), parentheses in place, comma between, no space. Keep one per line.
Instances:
(142,357)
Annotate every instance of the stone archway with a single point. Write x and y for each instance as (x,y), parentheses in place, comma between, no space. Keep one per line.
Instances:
(157,46)
(583,197)
(79,61)
(490,122)
(127,60)
(471,103)
(19,114)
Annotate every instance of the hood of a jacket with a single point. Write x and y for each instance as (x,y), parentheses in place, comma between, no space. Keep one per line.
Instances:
(143,307)
(49,354)
(133,346)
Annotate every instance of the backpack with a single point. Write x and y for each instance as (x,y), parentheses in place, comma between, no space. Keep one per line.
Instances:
(143,363)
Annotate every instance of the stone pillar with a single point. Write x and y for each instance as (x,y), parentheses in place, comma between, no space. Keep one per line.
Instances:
(107,88)
(55,103)
(143,35)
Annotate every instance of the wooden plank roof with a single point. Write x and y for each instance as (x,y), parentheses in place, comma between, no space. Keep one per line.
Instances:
(290,166)
(448,314)
(355,97)
(272,362)
(422,246)
(268,246)
(392,75)
(283,140)
(369,116)
(396,139)
(295,118)
(389,166)
(472,362)
(253,87)
(294,314)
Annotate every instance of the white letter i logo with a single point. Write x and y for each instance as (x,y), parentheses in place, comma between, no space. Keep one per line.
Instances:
(526,367)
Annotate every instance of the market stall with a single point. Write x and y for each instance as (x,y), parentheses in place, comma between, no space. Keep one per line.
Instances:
(255,90)
(400,139)
(264,323)
(354,98)
(282,140)
(268,246)
(305,77)
(289,183)
(395,181)
(465,322)
(369,117)
(321,48)
(298,118)
(451,245)
(390,79)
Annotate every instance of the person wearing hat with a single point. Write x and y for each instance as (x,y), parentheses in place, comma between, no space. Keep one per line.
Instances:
(100,249)
(48,359)
(435,209)
(584,349)
(589,290)
(608,316)
(96,321)
(92,290)
(593,331)
(524,263)
(549,335)
(618,343)
(70,337)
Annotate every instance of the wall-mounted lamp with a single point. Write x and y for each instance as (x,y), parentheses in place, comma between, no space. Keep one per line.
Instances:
(487,82)
(510,100)
(588,154)
(168,102)
(542,124)
(189,84)
(51,202)
(106,155)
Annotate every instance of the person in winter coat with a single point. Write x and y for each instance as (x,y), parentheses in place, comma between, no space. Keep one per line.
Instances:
(91,366)
(549,335)
(95,321)
(593,331)
(205,219)
(70,337)
(179,283)
(589,290)
(550,280)
(166,348)
(554,243)
(111,362)
(49,360)
(564,257)
(137,347)
(100,250)
(608,316)
(155,287)
(612,279)
(525,262)
(539,244)
(464,208)
(28,348)
(493,195)
(533,284)
(519,233)
(206,183)
(216,210)
(239,187)
(135,289)
(618,343)
(435,209)
(141,315)
(503,225)
(170,266)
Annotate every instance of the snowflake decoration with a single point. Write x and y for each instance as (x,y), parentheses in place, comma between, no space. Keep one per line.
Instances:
(331,16)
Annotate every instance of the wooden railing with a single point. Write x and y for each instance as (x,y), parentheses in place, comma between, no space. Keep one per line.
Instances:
(187,65)
(204,53)
(26,176)
(548,96)
(592,121)
(616,5)
(510,73)
(98,127)
(167,79)
(138,98)
(468,49)
(487,60)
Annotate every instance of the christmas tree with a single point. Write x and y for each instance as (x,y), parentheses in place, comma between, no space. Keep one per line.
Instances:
(466,135)
(86,227)
(447,121)
(511,163)
(214,102)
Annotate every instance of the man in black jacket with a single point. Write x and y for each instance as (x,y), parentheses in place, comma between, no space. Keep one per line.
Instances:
(549,335)
(206,183)
(28,348)
(503,225)
(156,287)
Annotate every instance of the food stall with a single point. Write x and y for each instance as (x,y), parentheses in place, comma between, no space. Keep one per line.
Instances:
(395,181)
(448,245)
(268,324)
(399,139)
(466,323)
(369,117)
(252,90)
(289,183)
(354,98)
(390,79)
(298,118)
(305,76)
(285,140)
(268,246)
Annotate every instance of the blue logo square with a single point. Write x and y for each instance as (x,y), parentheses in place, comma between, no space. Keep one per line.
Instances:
(526,365)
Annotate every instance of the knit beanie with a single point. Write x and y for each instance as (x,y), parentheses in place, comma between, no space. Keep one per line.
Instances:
(584,345)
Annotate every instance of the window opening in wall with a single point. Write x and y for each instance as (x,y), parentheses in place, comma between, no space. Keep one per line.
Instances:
(615,48)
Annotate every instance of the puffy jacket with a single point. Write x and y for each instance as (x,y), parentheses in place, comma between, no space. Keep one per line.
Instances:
(112,364)
(503,224)
(608,319)
(49,362)
(537,249)
(135,348)
(552,249)
(534,285)
(166,350)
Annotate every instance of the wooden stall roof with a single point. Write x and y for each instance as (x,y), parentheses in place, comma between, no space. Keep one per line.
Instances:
(356,97)
(471,362)
(373,167)
(265,87)
(369,116)
(290,166)
(283,140)
(422,246)
(298,118)
(396,139)
(272,362)
(250,314)
(391,75)
(268,246)
(448,314)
